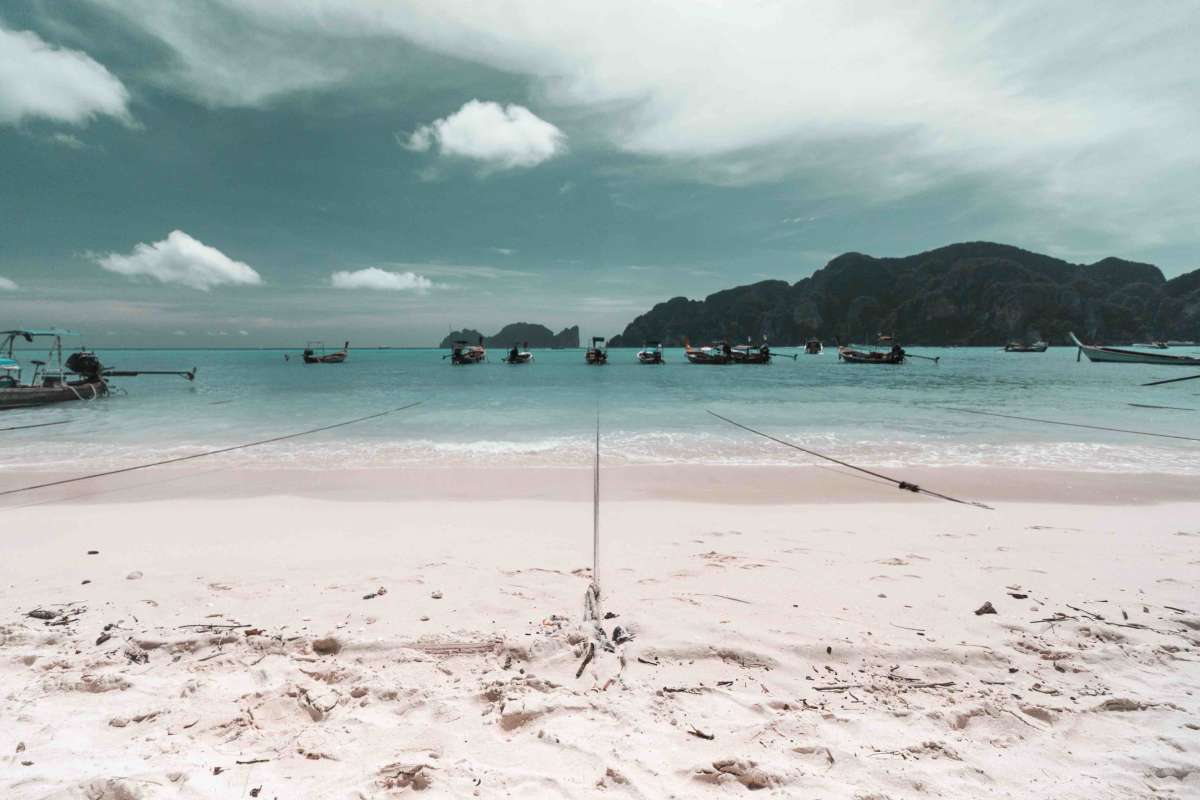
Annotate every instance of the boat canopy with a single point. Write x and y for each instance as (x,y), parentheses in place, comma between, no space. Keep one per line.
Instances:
(40,332)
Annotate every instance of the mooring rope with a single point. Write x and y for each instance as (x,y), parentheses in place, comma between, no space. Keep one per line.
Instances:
(206,453)
(37,425)
(1075,424)
(906,485)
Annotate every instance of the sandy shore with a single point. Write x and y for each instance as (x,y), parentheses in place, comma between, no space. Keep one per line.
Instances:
(239,646)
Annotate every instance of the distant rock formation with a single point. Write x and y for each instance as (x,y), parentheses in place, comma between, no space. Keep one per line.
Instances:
(518,333)
(975,293)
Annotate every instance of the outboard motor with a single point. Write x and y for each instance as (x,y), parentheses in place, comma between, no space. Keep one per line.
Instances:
(86,365)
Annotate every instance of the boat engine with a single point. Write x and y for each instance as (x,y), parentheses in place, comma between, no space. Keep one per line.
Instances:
(86,365)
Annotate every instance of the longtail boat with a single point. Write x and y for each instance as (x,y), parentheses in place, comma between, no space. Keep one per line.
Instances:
(716,353)
(462,353)
(80,377)
(651,353)
(1116,355)
(851,356)
(518,356)
(1022,347)
(314,353)
(814,347)
(597,354)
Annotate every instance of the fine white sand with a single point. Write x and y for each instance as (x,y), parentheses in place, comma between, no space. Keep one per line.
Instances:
(821,650)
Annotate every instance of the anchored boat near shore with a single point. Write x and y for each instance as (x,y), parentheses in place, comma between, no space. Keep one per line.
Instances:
(597,353)
(314,353)
(1117,355)
(80,377)
(651,353)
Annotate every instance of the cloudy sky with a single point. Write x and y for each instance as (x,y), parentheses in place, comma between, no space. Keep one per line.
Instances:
(269,171)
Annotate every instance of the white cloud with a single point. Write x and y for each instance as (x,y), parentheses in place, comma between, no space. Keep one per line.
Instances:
(1046,105)
(379,280)
(40,80)
(182,260)
(7,284)
(505,136)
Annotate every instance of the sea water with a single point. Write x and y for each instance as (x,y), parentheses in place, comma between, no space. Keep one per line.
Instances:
(544,413)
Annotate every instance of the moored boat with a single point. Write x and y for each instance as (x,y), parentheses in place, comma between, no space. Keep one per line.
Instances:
(716,353)
(1024,347)
(814,347)
(314,353)
(80,377)
(597,354)
(1117,355)
(851,356)
(1153,345)
(461,353)
(651,353)
(518,356)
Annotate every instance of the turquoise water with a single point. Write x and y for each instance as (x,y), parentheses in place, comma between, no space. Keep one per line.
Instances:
(543,414)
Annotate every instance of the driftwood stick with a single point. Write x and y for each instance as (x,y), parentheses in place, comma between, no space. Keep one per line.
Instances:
(587,658)
(1096,617)
(699,734)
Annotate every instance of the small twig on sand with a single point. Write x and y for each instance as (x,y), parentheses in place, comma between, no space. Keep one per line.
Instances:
(642,660)
(1096,617)
(212,625)
(699,734)
(253,761)
(587,658)
(841,687)
(906,628)
(682,689)
(1176,610)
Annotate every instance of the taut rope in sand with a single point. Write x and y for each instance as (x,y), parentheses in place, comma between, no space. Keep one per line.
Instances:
(911,487)
(207,452)
(38,425)
(591,600)
(1172,380)
(1075,424)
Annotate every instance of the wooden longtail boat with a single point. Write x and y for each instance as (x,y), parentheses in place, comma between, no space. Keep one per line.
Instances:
(651,353)
(311,356)
(462,354)
(596,354)
(80,377)
(1116,355)
(814,347)
(1022,347)
(851,356)
(518,356)
(717,353)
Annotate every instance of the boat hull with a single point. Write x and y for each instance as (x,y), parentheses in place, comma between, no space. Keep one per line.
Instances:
(862,357)
(31,396)
(1115,355)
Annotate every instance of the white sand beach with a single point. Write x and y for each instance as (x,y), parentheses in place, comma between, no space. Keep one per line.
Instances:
(284,643)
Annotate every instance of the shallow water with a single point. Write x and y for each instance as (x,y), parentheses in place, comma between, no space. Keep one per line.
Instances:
(544,413)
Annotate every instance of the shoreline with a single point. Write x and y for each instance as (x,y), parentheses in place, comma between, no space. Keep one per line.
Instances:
(713,484)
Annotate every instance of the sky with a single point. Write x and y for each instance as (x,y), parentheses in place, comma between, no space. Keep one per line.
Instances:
(264,172)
